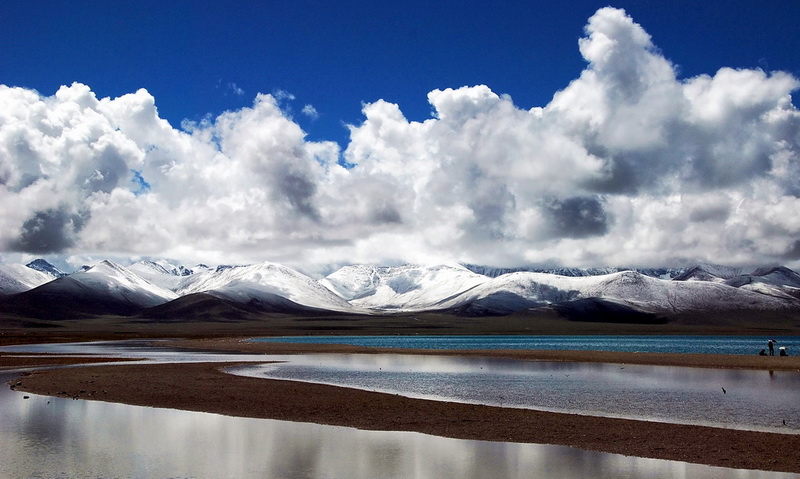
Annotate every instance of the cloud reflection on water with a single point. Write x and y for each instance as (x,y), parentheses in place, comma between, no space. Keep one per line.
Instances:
(756,400)
(54,437)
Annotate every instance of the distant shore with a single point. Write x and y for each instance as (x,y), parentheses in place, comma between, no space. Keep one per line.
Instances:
(204,387)
(727,361)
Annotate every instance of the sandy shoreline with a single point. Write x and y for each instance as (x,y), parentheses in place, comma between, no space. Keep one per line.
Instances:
(204,387)
(16,361)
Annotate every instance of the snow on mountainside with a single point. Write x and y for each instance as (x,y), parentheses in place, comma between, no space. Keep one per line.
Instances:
(176,270)
(628,288)
(16,278)
(709,272)
(650,294)
(105,289)
(352,282)
(158,274)
(775,281)
(492,272)
(150,267)
(779,275)
(408,287)
(113,281)
(46,268)
(456,287)
(265,284)
(516,292)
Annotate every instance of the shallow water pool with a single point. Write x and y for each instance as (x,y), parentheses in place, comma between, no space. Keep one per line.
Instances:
(743,399)
(44,437)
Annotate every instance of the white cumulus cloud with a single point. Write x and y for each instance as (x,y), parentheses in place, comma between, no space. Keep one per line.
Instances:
(627,165)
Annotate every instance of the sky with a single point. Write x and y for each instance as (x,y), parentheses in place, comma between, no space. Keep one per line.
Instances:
(318,134)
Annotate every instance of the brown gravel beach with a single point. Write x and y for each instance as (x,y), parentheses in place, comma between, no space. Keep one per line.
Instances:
(204,387)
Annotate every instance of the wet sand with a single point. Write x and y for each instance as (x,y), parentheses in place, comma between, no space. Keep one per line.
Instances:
(17,361)
(204,387)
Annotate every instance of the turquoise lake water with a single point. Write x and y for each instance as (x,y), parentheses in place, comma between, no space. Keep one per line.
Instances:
(652,344)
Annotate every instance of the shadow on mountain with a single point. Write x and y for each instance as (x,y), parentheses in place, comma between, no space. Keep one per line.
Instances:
(205,307)
(54,303)
(198,307)
(496,304)
(602,311)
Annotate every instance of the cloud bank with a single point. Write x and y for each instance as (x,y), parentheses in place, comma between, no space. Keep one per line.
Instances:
(627,165)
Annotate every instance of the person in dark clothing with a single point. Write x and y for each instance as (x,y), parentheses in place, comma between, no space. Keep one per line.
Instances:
(771,345)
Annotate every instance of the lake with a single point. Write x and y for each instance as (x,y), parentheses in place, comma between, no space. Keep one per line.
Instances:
(44,437)
(754,400)
(624,343)
(54,437)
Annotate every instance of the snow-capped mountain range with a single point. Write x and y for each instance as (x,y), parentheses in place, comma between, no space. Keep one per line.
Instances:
(17,278)
(108,288)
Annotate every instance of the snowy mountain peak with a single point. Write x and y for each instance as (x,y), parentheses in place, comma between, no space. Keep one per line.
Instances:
(122,284)
(106,267)
(492,272)
(778,281)
(146,266)
(157,274)
(709,272)
(265,284)
(173,269)
(161,267)
(778,272)
(408,287)
(43,266)
(16,278)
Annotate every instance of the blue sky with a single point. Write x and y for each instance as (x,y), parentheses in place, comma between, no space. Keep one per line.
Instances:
(204,57)
(322,133)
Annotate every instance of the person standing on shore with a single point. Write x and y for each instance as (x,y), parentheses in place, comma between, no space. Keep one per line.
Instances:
(771,344)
